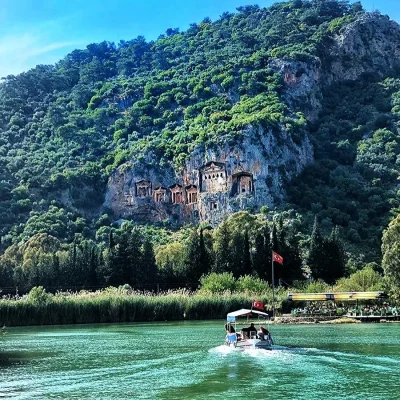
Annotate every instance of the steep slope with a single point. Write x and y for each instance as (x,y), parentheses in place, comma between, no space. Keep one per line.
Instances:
(199,124)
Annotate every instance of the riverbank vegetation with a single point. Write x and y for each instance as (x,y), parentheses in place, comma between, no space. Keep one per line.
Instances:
(218,294)
(227,263)
(123,305)
(150,259)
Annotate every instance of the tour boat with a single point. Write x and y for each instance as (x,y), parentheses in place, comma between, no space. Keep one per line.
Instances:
(247,338)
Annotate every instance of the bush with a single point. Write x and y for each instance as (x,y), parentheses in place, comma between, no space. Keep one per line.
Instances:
(38,295)
(250,284)
(218,283)
(362,280)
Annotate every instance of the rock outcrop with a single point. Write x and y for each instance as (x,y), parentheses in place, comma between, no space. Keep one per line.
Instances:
(214,183)
(369,45)
(256,170)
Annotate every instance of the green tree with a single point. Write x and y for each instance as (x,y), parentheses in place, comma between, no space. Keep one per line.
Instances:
(196,256)
(222,248)
(335,257)
(316,257)
(363,280)
(262,256)
(149,265)
(391,253)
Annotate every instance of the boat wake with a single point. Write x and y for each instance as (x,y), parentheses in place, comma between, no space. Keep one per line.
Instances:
(223,350)
(275,351)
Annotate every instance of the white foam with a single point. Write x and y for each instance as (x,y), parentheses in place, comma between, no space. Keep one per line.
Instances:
(223,349)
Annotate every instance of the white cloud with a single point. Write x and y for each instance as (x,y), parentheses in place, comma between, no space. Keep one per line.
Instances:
(20,52)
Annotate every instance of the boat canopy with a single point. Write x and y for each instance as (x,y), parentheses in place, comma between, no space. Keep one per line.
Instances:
(244,312)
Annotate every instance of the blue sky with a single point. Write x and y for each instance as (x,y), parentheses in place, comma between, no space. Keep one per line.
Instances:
(43,31)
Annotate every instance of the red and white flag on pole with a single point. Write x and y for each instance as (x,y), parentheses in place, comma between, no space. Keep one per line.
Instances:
(258,305)
(277,258)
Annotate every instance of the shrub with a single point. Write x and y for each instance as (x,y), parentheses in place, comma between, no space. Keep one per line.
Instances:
(38,295)
(250,284)
(218,283)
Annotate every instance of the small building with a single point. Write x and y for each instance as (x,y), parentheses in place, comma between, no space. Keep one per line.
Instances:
(176,194)
(212,177)
(128,199)
(143,189)
(242,183)
(191,194)
(160,194)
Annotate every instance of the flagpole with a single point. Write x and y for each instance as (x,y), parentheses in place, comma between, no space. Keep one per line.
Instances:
(273,287)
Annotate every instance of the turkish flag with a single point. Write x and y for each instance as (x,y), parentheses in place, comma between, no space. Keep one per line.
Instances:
(258,305)
(276,257)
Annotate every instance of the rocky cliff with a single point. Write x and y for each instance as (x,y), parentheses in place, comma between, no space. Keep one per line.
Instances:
(257,169)
(369,45)
(214,182)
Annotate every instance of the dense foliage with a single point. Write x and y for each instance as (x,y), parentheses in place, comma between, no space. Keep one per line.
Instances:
(65,128)
(353,182)
(239,249)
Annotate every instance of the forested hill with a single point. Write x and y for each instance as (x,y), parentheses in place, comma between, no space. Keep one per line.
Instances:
(321,71)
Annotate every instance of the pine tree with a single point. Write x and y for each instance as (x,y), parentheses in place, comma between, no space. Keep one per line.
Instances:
(281,233)
(93,267)
(247,266)
(205,258)
(84,262)
(196,257)
(240,248)
(262,255)
(335,258)
(167,273)
(149,265)
(135,269)
(316,257)
(192,256)
(56,270)
(223,253)
(274,239)
(119,259)
(70,270)
(291,269)
(111,242)
(104,268)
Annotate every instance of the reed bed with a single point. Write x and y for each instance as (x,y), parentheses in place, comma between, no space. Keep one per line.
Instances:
(114,305)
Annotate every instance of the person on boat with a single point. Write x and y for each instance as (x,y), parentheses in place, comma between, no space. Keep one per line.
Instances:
(247,332)
(229,328)
(264,334)
(261,329)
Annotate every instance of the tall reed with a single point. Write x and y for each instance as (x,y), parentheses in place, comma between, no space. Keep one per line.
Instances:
(114,305)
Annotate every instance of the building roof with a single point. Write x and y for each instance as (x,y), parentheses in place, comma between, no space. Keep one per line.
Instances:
(216,163)
(188,187)
(175,185)
(342,296)
(242,173)
(143,181)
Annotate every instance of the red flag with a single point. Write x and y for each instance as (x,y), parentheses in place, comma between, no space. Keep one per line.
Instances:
(257,305)
(276,257)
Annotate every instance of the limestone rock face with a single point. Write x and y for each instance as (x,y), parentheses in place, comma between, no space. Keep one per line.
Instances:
(369,45)
(256,170)
(214,182)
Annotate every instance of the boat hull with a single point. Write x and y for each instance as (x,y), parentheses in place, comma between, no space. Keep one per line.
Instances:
(250,344)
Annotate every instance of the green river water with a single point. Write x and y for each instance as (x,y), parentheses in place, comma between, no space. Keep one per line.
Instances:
(187,361)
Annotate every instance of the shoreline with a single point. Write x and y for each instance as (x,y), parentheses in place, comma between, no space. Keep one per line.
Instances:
(115,305)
